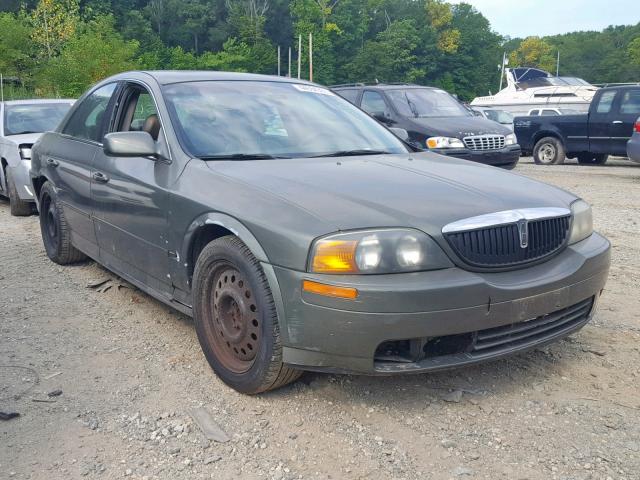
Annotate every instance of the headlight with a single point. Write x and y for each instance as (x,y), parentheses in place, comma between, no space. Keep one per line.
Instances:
(444,142)
(376,252)
(582,226)
(25,153)
(510,139)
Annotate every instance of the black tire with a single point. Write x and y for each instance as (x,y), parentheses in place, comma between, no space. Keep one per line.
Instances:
(56,234)
(231,294)
(18,207)
(592,158)
(549,151)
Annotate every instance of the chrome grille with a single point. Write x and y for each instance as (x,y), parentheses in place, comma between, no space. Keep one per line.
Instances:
(484,142)
(512,244)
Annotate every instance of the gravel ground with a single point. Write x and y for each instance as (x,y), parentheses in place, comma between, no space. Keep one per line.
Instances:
(130,369)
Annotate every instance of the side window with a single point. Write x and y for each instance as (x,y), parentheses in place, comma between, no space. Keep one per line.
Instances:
(87,121)
(139,113)
(349,94)
(631,102)
(534,113)
(549,113)
(373,103)
(605,102)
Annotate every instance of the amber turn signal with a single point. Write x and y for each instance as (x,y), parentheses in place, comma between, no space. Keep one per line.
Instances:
(335,256)
(329,290)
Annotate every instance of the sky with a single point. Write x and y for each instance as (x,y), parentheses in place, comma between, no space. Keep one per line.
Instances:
(523,18)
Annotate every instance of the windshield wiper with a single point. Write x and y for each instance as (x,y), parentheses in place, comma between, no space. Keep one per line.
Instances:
(352,153)
(241,156)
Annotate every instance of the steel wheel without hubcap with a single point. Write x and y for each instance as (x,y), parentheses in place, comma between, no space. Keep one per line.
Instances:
(236,328)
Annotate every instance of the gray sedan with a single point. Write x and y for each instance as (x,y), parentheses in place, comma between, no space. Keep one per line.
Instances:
(302,235)
(633,145)
(21,124)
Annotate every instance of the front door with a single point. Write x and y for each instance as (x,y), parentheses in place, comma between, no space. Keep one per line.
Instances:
(130,198)
(600,123)
(626,112)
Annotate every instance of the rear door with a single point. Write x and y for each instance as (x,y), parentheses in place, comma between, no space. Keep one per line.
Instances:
(68,163)
(600,118)
(130,197)
(626,111)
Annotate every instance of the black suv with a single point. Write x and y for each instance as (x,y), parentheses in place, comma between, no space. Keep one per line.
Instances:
(435,120)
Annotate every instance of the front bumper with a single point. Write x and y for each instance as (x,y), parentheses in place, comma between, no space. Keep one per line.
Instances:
(331,334)
(507,157)
(22,179)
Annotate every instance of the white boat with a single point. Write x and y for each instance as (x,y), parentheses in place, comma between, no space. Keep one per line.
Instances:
(528,88)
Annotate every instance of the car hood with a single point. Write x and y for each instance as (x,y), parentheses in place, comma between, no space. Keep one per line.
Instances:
(422,190)
(25,138)
(458,127)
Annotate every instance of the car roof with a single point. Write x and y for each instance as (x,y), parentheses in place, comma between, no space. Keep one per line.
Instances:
(381,86)
(38,100)
(166,77)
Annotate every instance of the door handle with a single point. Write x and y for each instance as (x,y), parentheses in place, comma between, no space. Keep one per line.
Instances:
(52,162)
(617,122)
(100,177)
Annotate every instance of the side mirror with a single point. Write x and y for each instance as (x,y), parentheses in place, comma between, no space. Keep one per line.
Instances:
(129,144)
(381,117)
(401,133)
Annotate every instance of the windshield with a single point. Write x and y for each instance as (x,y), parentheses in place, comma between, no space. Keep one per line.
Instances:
(426,102)
(499,116)
(33,117)
(222,119)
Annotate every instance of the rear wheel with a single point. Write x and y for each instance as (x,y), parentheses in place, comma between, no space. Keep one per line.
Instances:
(236,320)
(549,151)
(18,207)
(56,234)
(592,158)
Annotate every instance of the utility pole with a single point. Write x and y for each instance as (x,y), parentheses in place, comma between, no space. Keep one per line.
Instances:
(310,57)
(289,75)
(558,65)
(299,54)
(278,60)
(1,88)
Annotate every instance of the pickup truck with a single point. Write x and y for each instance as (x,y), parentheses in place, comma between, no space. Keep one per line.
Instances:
(589,137)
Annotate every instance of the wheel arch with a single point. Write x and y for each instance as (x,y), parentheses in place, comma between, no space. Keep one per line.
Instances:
(210,226)
(547,133)
(38,182)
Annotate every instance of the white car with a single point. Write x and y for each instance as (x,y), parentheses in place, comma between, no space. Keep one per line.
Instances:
(501,116)
(21,124)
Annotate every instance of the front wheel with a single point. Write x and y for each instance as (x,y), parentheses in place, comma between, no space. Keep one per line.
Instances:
(592,158)
(56,234)
(549,151)
(236,319)
(18,207)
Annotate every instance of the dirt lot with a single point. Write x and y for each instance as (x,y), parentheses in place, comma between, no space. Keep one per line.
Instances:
(130,369)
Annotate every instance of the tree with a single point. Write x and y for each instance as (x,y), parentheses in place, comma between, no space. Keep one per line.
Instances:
(96,51)
(634,51)
(15,45)
(54,22)
(534,52)
(440,15)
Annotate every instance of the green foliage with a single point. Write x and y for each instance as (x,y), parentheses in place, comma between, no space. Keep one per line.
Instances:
(16,46)
(534,52)
(96,51)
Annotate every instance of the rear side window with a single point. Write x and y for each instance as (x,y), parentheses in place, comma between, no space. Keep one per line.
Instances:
(549,113)
(349,94)
(87,121)
(373,103)
(631,102)
(534,113)
(605,102)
